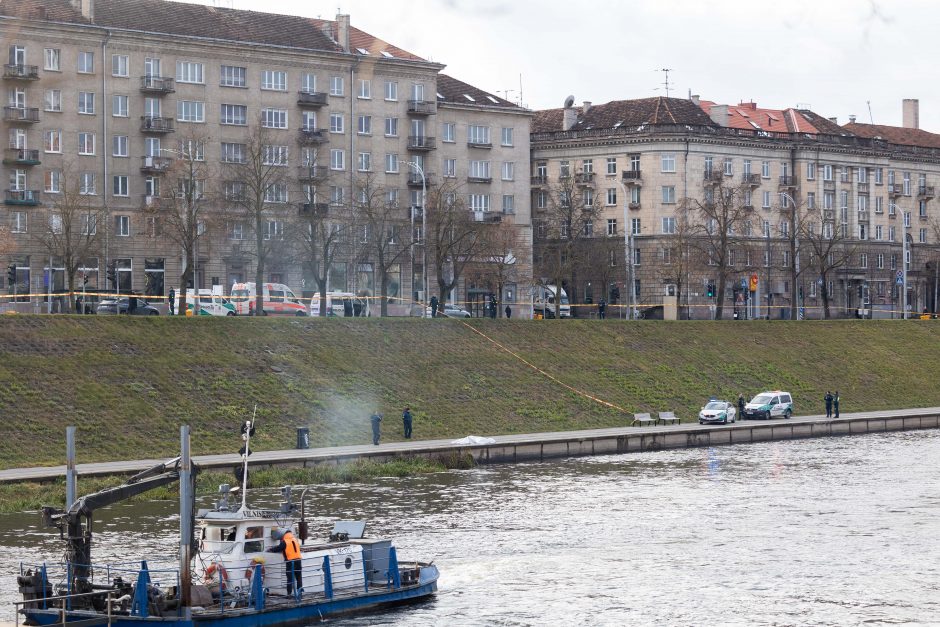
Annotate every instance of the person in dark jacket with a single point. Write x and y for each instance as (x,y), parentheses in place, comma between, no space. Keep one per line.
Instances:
(828,399)
(741,406)
(406,420)
(508,312)
(376,427)
(290,548)
(835,403)
(493,307)
(172,301)
(602,309)
(434,306)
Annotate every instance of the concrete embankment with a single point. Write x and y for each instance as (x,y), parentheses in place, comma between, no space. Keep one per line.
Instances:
(542,446)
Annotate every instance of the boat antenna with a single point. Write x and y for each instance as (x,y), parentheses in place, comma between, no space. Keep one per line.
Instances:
(247,429)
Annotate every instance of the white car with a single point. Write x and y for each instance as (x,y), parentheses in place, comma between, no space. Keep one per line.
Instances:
(450,311)
(717,412)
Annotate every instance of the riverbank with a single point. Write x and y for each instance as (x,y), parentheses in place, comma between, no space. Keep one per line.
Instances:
(127,383)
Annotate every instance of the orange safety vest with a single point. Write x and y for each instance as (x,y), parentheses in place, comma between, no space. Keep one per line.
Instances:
(292,547)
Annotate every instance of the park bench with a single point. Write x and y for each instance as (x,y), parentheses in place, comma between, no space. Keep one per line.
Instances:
(643,419)
(667,417)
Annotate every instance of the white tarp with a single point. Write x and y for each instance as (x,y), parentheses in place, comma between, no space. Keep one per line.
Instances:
(474,440)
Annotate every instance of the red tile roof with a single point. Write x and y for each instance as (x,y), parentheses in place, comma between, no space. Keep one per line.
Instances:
(747,115)
(619,113)
(895,134)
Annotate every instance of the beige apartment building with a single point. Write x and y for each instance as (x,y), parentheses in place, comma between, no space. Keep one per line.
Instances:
(868,185)
(109,93)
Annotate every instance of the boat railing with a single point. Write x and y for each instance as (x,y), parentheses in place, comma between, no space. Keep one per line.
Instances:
(62,604)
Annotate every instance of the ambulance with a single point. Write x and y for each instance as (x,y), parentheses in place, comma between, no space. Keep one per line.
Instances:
(279,300)
(211,302)
(340,304)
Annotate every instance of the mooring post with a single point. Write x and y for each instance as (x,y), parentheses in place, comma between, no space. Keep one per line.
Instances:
(70,477)
(186,523)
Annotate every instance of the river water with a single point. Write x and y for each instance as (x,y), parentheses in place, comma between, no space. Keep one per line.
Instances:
(811,532)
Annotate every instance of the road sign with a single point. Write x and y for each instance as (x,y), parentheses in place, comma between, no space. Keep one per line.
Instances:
(743,283)
(900,278)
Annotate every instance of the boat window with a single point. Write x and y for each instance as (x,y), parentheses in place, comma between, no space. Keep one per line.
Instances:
(254,532)
(254,546)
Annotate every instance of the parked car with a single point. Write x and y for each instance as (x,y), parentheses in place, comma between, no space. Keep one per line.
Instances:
(769,405)
(721,412)
(450,311)
(126,305)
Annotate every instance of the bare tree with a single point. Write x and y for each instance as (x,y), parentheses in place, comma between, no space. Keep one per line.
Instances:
(679,257)
(829,247)
(795,215)
(70,234)
(718,220)
(7,243)
(499,263)
(258,185)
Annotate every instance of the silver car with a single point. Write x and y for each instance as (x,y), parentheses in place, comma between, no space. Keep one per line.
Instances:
(717,412)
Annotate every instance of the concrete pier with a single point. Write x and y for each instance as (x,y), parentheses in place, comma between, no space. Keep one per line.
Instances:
(538,446)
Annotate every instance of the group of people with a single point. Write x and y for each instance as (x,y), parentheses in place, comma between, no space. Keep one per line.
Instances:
(406,419)
(832,404)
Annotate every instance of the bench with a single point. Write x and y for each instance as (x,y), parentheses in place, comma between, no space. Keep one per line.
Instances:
(667,417)
(643,419)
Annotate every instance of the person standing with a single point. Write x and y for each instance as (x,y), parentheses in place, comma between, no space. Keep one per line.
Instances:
(741,406)
(293,568)
(828,399)
(434,306)
(602,309)
(492,307)
(508,312)
(406,420)
(376,427)
(835,403)
(172,301)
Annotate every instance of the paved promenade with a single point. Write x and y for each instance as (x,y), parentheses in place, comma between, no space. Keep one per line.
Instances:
(535,446)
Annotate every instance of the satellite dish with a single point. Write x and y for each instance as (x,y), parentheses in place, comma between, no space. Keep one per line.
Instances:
(569,102)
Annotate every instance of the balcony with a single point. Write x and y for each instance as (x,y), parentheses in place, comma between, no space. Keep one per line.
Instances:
(157,85)
(20,72)
(479,179)
(155,124)
(864,217)
(584,178)
(313,136)
(420,142)
(631,177)
(750,180)
(152,202)
(155,165)
(895,190)
(20,114)
(313,172)
(414,180)
(829,215)
(787,181)
(829,186)
(925,192)
(311,209)
(712,177)
(422,107)
(863,188)
(28,197)
(747,207)
(634,206)
(477,143)
(539,180)
(487,217)
(21,156)
(311,99)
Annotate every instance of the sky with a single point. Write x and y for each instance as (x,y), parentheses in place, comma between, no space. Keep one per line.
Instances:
(837,57)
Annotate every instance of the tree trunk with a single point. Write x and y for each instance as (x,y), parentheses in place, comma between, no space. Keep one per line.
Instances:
(720,296)
(259,269)
(824,291)
(383,291)
(182,294)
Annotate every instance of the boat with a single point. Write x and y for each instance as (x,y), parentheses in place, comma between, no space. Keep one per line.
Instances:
(229,570)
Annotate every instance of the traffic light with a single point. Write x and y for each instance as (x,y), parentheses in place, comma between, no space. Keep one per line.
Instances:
(710,290)
(112,276)
(85,279)
(11,275)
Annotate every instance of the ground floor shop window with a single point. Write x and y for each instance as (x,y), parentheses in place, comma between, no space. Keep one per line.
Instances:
(154,272)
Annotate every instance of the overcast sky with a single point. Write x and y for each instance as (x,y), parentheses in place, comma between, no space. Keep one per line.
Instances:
(835,56)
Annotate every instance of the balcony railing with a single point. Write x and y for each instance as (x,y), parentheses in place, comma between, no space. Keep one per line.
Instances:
(22,197)
(311,99)
(479,179)
(21,156)
(634,206)
(155,165)
(863,216)
(895,189)
(157,84)
(539,180)
(313,136)
(420,142)
(479,143)
(314,208)
(925,191)
(829,186)
(584,178)
(18,71)
(787,180)
(713,177)
(422,107)
(414,180)
(155,124)
(750,180)
(152,202)
(631,177)
(313,172)
(20,114)
(489,217)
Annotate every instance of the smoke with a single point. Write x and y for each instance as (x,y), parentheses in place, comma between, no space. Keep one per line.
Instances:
(343,417)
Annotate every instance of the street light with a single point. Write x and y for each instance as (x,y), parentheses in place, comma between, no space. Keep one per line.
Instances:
(628,253)
(424,231)
(190,214)
(904,252)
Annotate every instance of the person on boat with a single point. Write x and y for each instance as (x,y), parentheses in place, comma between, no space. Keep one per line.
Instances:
(290,548)
(376,427)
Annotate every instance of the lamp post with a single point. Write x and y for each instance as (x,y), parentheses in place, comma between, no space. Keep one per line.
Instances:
(904,253)
(628,254)
(424,233)
(796,251)
(191,200)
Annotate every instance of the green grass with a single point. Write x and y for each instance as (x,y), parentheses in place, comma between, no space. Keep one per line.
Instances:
(127,384)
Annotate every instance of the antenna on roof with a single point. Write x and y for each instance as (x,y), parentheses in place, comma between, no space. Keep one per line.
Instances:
(505,93)
(870,117)
(666,70)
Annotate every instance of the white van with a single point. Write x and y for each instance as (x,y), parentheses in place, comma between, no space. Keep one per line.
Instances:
(340,304)
(211,302)
(544,302)
(279,300)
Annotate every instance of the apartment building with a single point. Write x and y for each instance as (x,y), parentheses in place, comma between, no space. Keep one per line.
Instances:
(109,93)
(868,186)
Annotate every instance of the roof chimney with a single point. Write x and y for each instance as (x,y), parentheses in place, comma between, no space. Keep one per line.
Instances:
(851,119)
(87,7)
(834,120)
(342,31)
(910,113)
(719,114)
(695,98)
(570,115)
(587,107)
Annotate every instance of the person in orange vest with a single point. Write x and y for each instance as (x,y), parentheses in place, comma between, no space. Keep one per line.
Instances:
(290,547)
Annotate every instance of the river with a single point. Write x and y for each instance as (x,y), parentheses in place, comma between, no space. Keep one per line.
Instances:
(808,532)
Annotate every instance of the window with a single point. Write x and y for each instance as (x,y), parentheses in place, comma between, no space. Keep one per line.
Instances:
(669,226)
(765,170)
(479,202)
(365,125)
(506,137)
(308,120)
(86,143)
(233,76)
(189,72)
(509,204)
(765,200)
(879,204)
(336,122)
(86,102)
(827,172)
(119,146)
(190,111)
(18,222)
(308,83)
(53,180)
(480,169)
(879,233)
(120,64)
(122,226)
(337,195)
(391,127)
(233,153)
(892,233)
(729,167)
(53,141)
(669,194)
(337,159)
(508,171)
(119,187)
(364,162)
(668,162)
(810,170)
(450,168)
(810,200)
(478,135)
(365,89)
(275,155)
(611,227)
(611,165)
(337,87)
(450,132)
(89,223)
(87,184)
(843,174)
(233,114)
(52,59)
(276,192)
(892,209)
(274,118)
(611,196)
(391,90)
(391,164)
(879,173)
(53,100)
(86,62)
(862,175)
(274,80)
(922,238)
(274,229)
(119,106)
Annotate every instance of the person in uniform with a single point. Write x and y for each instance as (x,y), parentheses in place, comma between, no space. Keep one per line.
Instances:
(376,427)
(290,548)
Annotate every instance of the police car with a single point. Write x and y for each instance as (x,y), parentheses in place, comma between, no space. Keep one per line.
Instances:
(770,405)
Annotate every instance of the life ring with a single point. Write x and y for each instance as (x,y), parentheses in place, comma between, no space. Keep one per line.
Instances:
(251,568)
(217,568)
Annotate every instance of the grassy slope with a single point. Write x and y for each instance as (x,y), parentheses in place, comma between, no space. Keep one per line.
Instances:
(128,383)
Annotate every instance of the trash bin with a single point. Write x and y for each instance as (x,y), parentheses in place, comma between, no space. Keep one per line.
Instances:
(303,437)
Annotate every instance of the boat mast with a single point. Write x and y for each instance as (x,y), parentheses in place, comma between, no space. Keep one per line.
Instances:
(186,522)
(247,430)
